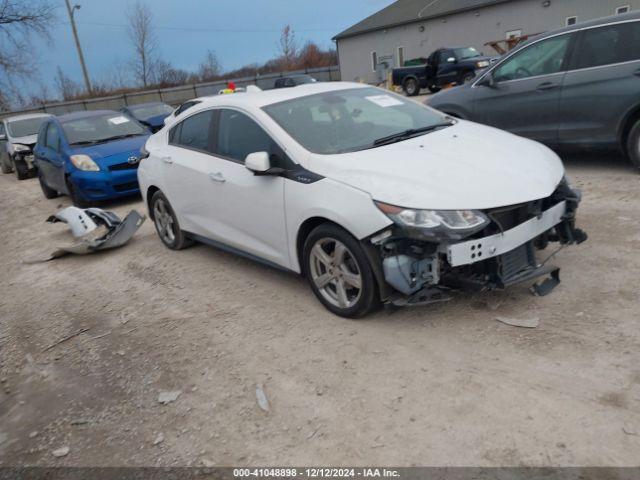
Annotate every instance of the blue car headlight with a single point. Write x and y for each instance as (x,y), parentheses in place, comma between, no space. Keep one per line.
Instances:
(84,163)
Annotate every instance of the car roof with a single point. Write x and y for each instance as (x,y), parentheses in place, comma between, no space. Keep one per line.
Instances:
(625,17)
(260,99)
(27,116)
(84,114)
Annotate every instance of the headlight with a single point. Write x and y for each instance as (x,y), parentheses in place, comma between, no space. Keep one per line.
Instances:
(85,163)
(16,147)
(483,64)
(437,224)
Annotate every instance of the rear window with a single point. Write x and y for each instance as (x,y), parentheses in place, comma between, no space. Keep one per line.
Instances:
(194,132)
(608,45)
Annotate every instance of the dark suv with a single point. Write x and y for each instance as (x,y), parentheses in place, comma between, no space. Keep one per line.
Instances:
(578,87)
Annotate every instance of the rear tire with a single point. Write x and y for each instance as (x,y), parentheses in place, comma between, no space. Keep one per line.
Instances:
(411,87)
(5,163)
(21,169)
(339,272)
(434,88)
(633,145)
(46,191)
(166,223)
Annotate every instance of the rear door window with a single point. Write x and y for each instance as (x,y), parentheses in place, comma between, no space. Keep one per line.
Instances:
(542,58)
(194,132)
(608,45)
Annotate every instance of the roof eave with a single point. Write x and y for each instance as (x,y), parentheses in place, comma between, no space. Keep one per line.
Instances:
(343,35)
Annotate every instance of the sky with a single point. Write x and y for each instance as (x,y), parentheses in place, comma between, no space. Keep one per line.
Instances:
(240,32)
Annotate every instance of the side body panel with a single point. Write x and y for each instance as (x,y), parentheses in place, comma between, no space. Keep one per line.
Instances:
(349,207)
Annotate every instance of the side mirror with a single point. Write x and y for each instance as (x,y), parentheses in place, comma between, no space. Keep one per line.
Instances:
(489,81)
(3,137)
(258,162)
(451,60)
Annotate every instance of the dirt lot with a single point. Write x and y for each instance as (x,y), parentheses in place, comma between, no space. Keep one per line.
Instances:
(443,385)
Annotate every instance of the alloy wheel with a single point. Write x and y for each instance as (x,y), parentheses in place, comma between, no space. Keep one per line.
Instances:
(335,272)
(164,222)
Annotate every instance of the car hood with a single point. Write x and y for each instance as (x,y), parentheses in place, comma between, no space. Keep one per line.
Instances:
(29,140)
(465,166)
(110,153)
(155,121)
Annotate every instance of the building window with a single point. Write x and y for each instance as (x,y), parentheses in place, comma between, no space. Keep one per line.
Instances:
(621,10)
(400,56)
(513,34)
(571,21)
(374,61)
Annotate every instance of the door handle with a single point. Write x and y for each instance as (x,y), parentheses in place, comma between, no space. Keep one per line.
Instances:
(217,177)
(637,73)
(168,160)
(546,86)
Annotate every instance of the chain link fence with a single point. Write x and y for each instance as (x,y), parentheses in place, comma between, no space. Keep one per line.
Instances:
(176,95)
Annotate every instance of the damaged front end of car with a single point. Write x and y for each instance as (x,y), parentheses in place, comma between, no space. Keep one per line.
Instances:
(426,254)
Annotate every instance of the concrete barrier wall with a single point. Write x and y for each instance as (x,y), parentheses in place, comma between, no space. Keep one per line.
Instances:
(174,96)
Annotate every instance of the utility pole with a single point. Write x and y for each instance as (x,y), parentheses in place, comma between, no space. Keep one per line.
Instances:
(71,11)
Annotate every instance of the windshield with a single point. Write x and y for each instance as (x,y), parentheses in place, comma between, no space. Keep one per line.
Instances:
(464,53)
(349,120)
(101,128)
(148,111)
(24,128)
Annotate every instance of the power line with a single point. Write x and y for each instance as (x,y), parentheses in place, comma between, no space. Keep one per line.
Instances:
(211,30)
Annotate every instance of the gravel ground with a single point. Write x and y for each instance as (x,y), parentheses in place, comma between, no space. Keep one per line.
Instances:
(440,385)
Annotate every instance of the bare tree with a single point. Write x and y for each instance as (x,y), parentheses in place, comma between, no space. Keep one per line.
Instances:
(145,43)
(19,21)
(287,47)
(168,76)
(210,68)
(67,88)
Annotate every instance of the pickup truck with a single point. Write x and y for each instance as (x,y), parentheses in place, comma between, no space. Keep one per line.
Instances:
(444,66)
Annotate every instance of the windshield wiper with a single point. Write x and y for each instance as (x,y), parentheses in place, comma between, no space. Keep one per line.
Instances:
(120,137)
(412,132)
(108,139)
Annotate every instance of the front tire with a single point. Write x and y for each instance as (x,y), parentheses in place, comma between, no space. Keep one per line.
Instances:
(466,78)
(21,169)
(633,145)
(411,87)
(46,190)
(166,222)
(76,197)
(339,272)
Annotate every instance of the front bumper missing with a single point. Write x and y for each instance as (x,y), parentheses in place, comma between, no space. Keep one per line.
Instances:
(495,261)
(472,251)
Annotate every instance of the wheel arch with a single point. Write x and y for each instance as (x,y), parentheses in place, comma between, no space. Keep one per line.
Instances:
(375,260)
(629,120)
(150,192)
(303,232)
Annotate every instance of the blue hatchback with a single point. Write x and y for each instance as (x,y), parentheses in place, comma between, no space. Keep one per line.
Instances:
(90,156)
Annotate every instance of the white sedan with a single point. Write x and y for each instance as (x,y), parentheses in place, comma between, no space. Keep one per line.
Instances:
(373,197)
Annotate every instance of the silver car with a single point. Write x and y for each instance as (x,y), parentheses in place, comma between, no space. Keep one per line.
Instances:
(578,87)
(18,135)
